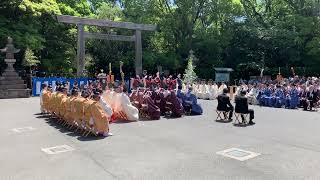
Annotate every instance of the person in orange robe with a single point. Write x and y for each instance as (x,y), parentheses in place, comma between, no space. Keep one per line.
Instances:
(53,102)
(60,95)
(46,98)
(79,111)
(87,113)
(62,102)
(99,117)
(69,114)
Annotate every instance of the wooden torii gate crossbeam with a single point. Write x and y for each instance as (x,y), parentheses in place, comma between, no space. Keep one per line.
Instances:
(82,35)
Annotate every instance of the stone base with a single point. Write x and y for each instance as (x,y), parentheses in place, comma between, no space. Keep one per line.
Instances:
(11,85)
(14,93)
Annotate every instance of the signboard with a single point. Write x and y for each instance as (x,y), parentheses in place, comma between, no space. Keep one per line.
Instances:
(222,77)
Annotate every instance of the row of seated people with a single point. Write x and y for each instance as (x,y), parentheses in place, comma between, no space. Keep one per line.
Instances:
(206,91)
(290,96)
(155,102)
(79,111)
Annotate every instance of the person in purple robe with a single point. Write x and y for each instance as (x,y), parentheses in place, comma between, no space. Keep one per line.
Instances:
(174,105)
(152,110)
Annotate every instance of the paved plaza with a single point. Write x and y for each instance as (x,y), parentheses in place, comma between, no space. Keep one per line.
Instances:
(287,144)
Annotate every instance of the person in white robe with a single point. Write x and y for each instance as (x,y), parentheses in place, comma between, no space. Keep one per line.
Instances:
(123,106)
(252,95)
(105,106)
(213,90)
(109,96)
(221,87)
(203,90)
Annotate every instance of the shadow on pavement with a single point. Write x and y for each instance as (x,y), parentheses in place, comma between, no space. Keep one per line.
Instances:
(73,132)
(224,121)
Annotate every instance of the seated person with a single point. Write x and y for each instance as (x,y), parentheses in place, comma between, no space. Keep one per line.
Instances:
(224,103)
(180,94)
(123,108)
(252,95)
(242,107)
(191,101)
(151,108)
(98,116)
(174,104)
(292,100)
(279,98)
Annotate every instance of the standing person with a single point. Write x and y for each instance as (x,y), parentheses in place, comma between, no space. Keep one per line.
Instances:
(242,107)
(224,103)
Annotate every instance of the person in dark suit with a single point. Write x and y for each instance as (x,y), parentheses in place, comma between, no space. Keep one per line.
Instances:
(224,103)
(242,107)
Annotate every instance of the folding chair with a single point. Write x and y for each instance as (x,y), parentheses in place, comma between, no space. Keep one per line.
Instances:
(238,117)
(220,113)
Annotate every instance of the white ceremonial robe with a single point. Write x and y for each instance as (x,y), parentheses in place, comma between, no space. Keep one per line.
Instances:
(213,92)
(252,96)
(41,102)
(105,106)
(203,91)
(220,90)
(109,97)
(123,104)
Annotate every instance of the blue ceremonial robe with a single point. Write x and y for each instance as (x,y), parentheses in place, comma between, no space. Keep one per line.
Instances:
(191,99)
(279,98)
(292,100)
(180,95)
(265,96)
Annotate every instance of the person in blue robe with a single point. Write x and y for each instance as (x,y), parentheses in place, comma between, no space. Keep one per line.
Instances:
(180,94)
(279,98)
(268,96)
(292,100)
(191,101)
(265,96)
(261,96)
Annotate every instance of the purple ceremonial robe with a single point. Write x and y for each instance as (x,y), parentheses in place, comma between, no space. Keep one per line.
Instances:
(160,101)
(176,107)
(153,110)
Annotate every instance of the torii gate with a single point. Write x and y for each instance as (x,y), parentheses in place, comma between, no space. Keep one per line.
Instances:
(82,35)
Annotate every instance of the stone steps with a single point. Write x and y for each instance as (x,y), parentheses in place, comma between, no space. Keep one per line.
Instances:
(13,86)
(9,82)
(9,78)
(10,74)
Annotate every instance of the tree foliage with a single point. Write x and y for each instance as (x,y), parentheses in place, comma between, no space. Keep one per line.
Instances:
(246,35)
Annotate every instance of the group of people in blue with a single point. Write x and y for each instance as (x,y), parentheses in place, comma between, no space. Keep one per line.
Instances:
(291,93)
(278,97)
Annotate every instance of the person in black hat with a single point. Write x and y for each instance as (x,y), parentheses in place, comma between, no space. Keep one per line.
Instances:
(242,107)
(224,103)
